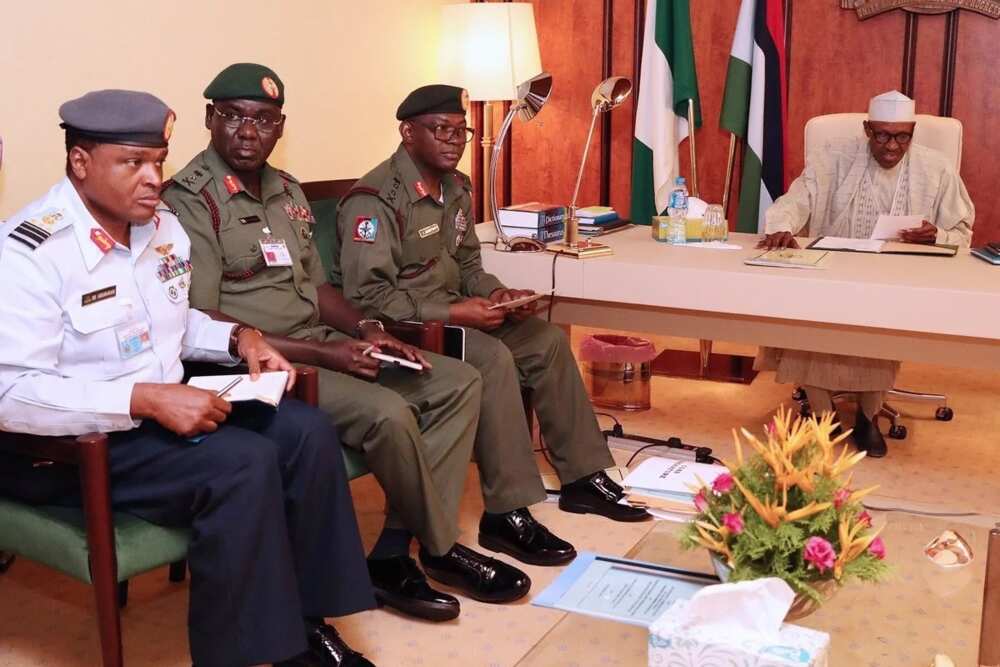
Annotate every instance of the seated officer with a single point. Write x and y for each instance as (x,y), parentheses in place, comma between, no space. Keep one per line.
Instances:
(416,430)
(409,251)
(95,323)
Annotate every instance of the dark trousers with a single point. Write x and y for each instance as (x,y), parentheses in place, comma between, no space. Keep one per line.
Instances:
(274,536)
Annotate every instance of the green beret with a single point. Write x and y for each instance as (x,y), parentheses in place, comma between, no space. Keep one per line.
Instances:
(437,98)
(247,81)
(119,117)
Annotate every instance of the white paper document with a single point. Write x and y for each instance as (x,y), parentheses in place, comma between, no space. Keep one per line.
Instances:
(671,477)
(268,388)
(710,245)
(888,227)
(619,589)
(844,243)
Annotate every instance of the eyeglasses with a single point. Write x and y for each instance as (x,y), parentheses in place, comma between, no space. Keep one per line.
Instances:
(882,137)
(234,121)
(450,134)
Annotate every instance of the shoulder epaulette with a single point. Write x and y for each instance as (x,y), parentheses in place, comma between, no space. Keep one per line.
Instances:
(191,178)
(285,175)
(35,231)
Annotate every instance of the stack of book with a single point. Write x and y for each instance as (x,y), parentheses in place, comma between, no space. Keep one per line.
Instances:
(535,220)
(668,486)
(597,220)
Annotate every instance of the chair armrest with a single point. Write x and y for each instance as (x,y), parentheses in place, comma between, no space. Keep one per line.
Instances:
(427,335)
(306,387)
(62,449)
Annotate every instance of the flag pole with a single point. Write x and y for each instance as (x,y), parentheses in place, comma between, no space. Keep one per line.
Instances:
(729,174)
(694,158)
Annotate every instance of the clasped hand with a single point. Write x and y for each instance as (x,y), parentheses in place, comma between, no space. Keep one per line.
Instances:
(353,356)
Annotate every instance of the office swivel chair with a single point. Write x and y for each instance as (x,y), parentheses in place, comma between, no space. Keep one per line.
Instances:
(940,133)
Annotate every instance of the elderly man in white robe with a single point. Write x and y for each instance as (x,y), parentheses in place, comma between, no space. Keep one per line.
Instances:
(841,192)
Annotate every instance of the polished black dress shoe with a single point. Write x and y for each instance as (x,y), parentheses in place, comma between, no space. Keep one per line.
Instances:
(480,577)
(400,584)
(518,534)
(599,494)
(327,645)
(867,437)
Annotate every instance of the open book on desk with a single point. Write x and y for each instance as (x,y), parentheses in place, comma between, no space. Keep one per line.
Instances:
(268,388)
(841,244)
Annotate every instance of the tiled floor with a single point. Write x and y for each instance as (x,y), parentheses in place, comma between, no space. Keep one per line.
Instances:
(46,619)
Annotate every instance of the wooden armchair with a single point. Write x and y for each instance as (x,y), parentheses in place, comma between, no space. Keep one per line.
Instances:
(95,544)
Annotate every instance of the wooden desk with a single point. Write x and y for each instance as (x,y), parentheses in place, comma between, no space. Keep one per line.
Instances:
(931,309)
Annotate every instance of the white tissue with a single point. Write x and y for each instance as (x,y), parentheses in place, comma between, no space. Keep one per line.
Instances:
(751,610)
(696,207)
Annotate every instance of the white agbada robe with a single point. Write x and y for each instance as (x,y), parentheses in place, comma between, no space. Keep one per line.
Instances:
(840,193)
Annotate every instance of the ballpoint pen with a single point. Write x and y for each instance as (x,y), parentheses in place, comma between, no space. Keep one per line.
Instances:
(224,390)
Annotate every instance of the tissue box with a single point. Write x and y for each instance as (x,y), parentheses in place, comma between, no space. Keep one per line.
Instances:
(674,646)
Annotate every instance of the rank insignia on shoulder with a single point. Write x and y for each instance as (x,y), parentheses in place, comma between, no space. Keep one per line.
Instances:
(30,234)
(365,229)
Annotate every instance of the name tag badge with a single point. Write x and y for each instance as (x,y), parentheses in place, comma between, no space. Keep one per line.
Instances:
(275,252)
(428,230)
(133,339)
(90,298)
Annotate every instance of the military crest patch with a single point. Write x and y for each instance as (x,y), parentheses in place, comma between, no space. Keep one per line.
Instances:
(269,87)
(365,229)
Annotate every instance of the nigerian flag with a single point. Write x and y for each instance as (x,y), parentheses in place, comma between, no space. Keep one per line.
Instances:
(667,80)
(754,106)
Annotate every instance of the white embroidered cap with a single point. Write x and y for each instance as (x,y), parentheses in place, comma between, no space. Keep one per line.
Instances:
(892,107)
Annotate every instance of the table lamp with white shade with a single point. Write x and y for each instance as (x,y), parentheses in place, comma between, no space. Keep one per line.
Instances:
(491,49)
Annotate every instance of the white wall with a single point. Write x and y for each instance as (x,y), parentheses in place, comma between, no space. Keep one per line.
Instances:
(346,66)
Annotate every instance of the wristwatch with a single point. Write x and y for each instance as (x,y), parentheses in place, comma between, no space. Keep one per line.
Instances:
(361,325)
(234,338)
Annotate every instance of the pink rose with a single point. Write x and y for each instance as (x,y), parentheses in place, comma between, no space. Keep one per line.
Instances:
(733,521)
(723,483)
(865,519)
(877,548)
(841,497)
(820,553)
(700,501)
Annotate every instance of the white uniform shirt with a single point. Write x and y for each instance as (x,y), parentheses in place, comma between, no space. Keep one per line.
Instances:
(83,319)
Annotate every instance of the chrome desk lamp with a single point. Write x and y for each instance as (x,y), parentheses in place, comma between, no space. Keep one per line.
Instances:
(606,96)
(531,97)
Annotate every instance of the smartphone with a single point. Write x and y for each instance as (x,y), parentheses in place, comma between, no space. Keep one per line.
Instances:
(390,360)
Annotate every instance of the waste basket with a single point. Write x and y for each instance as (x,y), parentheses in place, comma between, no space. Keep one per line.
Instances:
(617,370)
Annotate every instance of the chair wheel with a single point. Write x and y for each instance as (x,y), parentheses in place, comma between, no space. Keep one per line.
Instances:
(897,431)
(6,560)
(944,414)
(799,394)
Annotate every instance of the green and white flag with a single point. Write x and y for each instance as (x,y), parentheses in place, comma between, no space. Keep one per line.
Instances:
(754,106)
(667,80)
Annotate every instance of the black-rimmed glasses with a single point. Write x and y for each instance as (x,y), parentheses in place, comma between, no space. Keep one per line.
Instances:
(234,121)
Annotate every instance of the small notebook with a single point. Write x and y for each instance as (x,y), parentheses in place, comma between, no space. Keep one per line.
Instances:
(789,258)
(268,388)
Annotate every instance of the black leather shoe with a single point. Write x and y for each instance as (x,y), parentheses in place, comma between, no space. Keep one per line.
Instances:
(480,577)
(867,437)
(599,494)
(331,650)
(518,534)
(400,584)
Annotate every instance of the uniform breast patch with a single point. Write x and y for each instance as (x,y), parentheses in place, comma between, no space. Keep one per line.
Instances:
(108,292)
(365,229)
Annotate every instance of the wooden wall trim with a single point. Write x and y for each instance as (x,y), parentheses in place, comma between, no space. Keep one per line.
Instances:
(606,55)
(910,53)
(948,66)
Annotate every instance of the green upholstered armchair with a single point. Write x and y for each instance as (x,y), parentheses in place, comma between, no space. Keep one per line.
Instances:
(94,544)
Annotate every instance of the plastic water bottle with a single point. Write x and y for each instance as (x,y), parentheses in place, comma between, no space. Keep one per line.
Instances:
(677,207)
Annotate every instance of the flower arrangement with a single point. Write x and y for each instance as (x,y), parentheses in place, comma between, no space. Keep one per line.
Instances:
(787,510)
